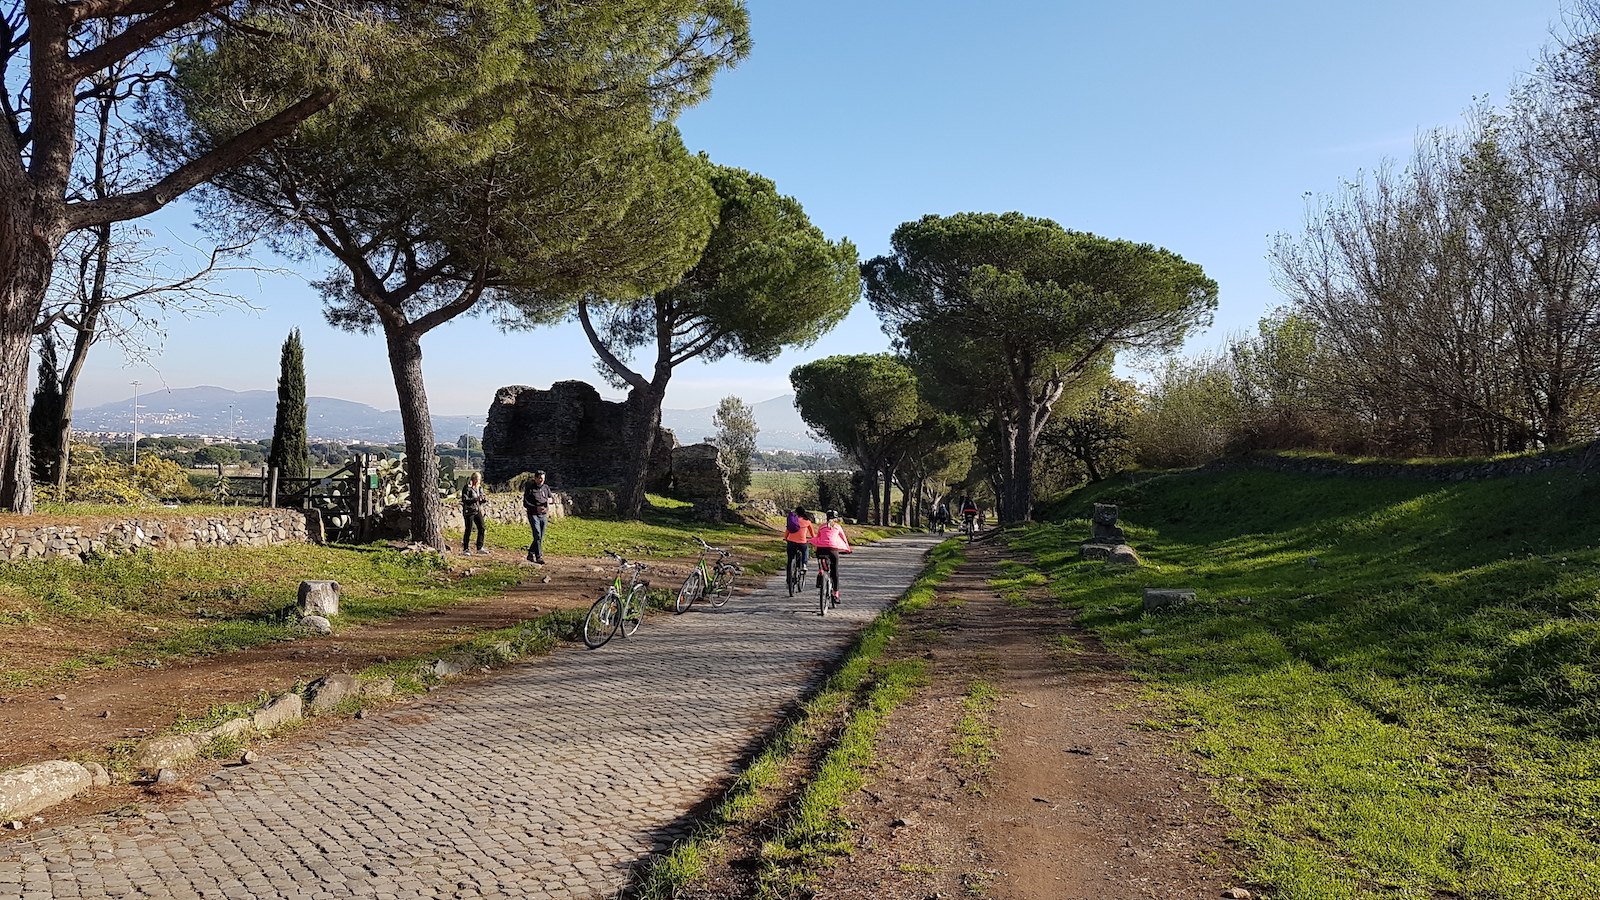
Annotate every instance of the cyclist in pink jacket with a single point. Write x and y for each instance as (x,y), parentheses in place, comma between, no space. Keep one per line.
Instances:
(830,541)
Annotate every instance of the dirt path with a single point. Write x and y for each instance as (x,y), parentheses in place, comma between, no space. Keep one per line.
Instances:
(102,708)
(1077,802)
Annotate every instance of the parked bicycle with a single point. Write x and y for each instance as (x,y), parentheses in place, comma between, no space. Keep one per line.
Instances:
(709,581)
(619,608)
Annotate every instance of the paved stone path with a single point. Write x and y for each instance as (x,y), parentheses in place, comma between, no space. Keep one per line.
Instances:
(550,779)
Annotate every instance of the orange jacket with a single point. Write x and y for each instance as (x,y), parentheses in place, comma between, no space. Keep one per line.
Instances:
(807,529)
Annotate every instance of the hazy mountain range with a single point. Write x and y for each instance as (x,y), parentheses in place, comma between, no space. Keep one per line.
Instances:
(248,415)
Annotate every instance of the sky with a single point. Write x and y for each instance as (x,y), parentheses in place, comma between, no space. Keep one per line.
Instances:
(1203,128)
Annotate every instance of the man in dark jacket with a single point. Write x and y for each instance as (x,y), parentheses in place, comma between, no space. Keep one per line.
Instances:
(536,497)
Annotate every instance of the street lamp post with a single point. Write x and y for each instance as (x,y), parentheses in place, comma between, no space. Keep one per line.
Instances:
(136,424)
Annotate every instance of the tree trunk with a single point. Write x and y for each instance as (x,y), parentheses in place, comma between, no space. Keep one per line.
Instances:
(422,472)
(644,420)
(27,250)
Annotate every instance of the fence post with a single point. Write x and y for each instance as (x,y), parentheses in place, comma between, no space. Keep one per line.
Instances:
(272,489)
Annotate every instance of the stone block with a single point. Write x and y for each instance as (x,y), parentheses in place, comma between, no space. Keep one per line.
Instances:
(319,624)
(1094,551)
(1166,598)
(330,690)
(454,664)
(1122,555)
(230,728)
(28,789)
(285,709)
(319,598)
(167,751)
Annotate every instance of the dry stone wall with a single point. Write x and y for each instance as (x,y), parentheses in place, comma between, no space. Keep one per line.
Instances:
(245,528)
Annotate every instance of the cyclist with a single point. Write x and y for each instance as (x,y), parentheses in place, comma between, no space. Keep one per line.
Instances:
(797,534)
(941,517)
(969,512)
(830,541)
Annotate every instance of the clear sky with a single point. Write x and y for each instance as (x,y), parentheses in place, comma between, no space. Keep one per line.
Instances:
(1200,127)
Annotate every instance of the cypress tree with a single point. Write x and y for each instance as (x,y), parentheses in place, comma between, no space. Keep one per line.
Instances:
(44,418)
(290,452)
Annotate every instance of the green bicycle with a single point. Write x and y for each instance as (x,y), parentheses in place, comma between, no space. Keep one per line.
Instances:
(618,609)
(711,581)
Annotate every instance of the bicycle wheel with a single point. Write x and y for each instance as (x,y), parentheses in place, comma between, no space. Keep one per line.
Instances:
(792,575)
(601,622)
(632,612)
(722,586)
(824,589)
(693,587)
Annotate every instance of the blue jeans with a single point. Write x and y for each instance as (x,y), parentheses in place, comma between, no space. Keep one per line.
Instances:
(537,523)
(801,550)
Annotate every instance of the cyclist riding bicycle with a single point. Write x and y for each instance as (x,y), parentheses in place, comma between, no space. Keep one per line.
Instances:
(969,511)
(941,517)
(830,541)
(797,535)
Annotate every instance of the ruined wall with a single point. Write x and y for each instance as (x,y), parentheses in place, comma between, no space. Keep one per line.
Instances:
(568,431)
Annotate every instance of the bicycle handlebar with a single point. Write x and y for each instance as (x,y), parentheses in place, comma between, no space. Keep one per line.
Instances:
(724,551)
(623,563)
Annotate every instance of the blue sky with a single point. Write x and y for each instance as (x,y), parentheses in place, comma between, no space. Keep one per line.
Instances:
(1198,127)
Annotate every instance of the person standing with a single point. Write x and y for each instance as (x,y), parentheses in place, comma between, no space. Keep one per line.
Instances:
(473,498)
(536,497)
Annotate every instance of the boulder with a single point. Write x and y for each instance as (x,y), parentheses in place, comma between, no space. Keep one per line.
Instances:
(319,598)
(167,751)
(319,624)
(330,690)
(700,477)
(27,789)
(454,664)
(1122,555)
(378,687)
(285,709)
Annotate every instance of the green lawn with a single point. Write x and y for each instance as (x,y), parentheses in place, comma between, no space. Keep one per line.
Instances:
(1396,684)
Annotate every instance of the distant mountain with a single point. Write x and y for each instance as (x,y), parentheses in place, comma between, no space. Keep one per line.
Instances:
(780,424)
(248,415)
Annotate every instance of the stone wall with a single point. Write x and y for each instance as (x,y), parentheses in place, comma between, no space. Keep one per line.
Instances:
(1582,458)
(506,509)
(245,528)
(568,431)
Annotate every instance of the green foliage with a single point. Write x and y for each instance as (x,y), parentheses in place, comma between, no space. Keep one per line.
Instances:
(290,454)
(999,314)
(736,428)
(1393,682)
(859,403)
(45,416)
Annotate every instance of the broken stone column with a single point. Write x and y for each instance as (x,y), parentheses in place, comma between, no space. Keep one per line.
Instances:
(319,598)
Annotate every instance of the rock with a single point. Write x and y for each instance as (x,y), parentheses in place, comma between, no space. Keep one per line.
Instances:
(1166,598)
(1122,555)
(378,687)
(167,751)
(330,690)
(1093,551)
(98,776)
(1147,631)
(166,776)
(27,789)
(249,757)
(230,728)
(14,825)
(454,664)
(319,598)
(59,698)
(318,624)
(285,709)
(106,714)
(1237,893)
(699,476)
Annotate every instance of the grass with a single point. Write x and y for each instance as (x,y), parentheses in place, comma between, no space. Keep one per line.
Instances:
(1395,684)
(975,732)
(148,608)
(862,691)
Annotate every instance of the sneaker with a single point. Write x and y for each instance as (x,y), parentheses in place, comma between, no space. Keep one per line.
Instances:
(539,561)
(482,552)
(531,557)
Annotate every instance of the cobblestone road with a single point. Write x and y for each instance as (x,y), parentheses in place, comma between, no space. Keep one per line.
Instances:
(549,779)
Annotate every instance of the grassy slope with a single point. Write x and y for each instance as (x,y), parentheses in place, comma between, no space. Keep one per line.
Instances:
(1396,683)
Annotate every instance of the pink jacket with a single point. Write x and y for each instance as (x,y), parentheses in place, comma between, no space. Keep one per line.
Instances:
(832,535)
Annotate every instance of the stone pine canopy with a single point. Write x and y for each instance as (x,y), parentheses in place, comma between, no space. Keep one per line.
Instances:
(576,437)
